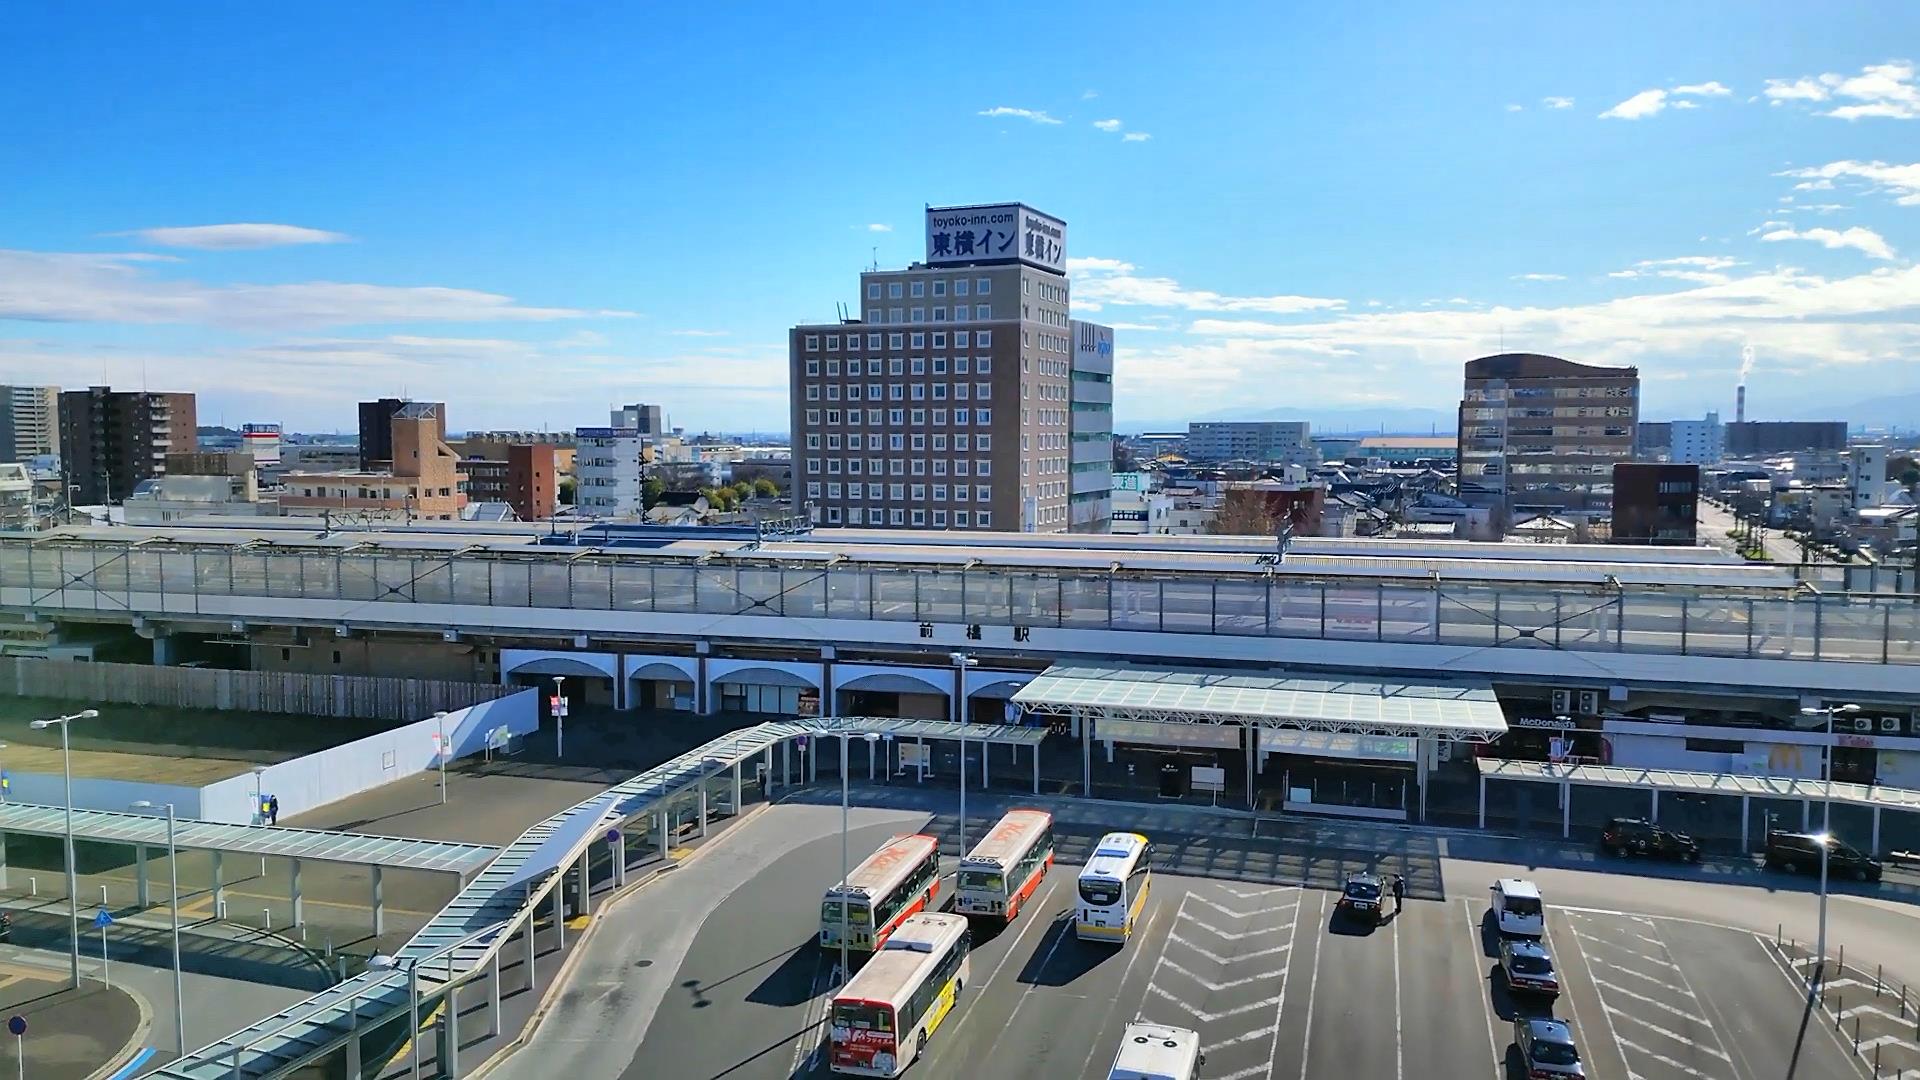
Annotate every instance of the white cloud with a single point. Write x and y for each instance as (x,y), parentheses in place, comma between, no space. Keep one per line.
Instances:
(1098,282)
(1887,91)
(1108,125)
(1822,184)
(1683,104)
(1139,328)
(879,227)
(1515,108)
(1863,240)
(113,288)
(236,237)
(1557,102)
(1704,262)
(1539,277)
(1623,273)
(1089,95)
(1900,181)
(1135,136)
(699,333)
(1705,89)
(1038,116)
(1699,269)
(1643,104)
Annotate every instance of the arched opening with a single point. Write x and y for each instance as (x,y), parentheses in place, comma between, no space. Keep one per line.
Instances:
(761,691)
(889,693)
(660,687)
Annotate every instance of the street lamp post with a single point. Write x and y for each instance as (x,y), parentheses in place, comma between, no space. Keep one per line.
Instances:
(73,882)
(441,717)
(559,717)
(845,802)
(1826,833)
(961,662)
(173,877)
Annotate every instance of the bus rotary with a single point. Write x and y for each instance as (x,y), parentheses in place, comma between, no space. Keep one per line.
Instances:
(882,1018)
(1005,868)
(901,878)
(1113,887)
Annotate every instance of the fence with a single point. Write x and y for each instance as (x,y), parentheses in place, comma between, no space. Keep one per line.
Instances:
(358,696)
(1873,1013)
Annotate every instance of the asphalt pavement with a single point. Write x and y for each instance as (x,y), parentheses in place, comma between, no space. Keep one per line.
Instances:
(712,973)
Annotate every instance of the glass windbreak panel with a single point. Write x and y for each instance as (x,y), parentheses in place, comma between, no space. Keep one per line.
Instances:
(804,593)
(109,569)
(1353,612)
(1186,607)
(760,592)
(358,580)
(395,577)
(1036,600)
(1083,602)
(937,593)
(283,575)
(849,593)
(13,565)
(1296,609)
(1407,614)
(1136,604)
(319,576)
(249,575)
(893,592)
(1717,626)
(1903,636)
(1850,628)
(717,590)
(1240,607)
(1527,619)
(210,572)
(673,588)
(435,583)
(1467,616)
(472,583)
(632,587)
(1650,622)
(510,584)
(547,585)
(587,585)
(1587,621)
(986,598)
(1782,629)
(177,571)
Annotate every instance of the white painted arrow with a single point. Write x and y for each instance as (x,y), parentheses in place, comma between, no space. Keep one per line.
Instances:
(1225,985)
(1206,1017)
(1248,894)
(1257,1033)
(1218,959)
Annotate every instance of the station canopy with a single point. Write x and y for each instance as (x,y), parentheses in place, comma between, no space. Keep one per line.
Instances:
(1463,710)
(1699,783)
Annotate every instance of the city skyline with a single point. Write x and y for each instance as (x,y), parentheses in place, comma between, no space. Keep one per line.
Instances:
(536,221)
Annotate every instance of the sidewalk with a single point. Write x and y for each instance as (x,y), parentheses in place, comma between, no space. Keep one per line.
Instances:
(70,1033)
(1872,1014)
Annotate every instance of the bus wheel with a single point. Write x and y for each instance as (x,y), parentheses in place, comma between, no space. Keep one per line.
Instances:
(920,1046)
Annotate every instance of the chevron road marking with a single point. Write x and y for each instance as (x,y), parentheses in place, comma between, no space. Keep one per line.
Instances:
(1235,958)
(1206,1017)
(1655,1002)
(1673,1035)
(1229,935)
(1227,984)
(1230,912)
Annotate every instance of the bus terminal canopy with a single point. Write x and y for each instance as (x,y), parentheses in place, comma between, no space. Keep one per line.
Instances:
(1466,711)
(1699,783)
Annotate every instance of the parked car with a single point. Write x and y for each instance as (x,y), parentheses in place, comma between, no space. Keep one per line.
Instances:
(1799,853)
(1517,910)
(1638,836)
(1546,1047)
(1528,967)
(1360,897)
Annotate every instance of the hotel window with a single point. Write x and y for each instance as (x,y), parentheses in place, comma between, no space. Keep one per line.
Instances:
(918,467)
(896,341)
(893,315)
(959,466)
(896,417)
(896,492)
(896,366)
(919,366)
(919,517)
(918,315)
(939,493)
(983,286)
(939,391)
(983,417)
(833,515)
(873,389)
(961,364)
(919,441)
(896,517)
(813,442)
(813,489)
(813,342)
(833,491)
(853,367)
(984,340)
(813,392)
(983,365)
(919,391)
(833,466)
(853,391)
(813,367)
(896,441)
(983,441)
(919,288)
(985,466)
(854,442)
(959,286)
(982,391)
(833,416)
(873,341)
(833,341)
(982,311)
(833,441)
(940,287)
(918,416)
(939,417)
(960,519)
(939,519)
(873,314)
(897,391)
(853,466)
(873,491)
(833,367)
(939,441)
(893,290)
(873,290)
(873,417)
(982,493)
(876,466)
(917,341)
(985,520)
(960,393)
(919,492)
(939,314)
(939,365)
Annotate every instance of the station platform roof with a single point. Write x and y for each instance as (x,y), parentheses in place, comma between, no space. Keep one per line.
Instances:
(888,727)
(1699,783)
(1452,710)
(319,845)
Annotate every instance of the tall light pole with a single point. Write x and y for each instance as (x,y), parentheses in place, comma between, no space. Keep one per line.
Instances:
(845,802)
(559,717)
(961,662)
(1826,832)
(441,716)
(173,877)
(73,882)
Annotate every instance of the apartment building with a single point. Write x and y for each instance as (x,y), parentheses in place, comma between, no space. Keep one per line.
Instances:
(112,440)
(422,484)
(1252,440)
(29,422)
(523,478)
(1090,493)
(949,405)
(646,419)
(376,429)
(609,469)
(1540,435)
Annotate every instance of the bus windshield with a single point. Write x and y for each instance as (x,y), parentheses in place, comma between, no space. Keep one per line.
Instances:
(857,914)
(982,880)
(863,1017)
(1099,893)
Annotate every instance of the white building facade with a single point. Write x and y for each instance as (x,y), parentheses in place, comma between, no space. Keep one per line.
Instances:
(608,469)
(1698,442)
(1090,493)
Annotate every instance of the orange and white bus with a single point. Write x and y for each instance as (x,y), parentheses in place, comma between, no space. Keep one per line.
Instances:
(902,878)
(881,1019)
(1005,868)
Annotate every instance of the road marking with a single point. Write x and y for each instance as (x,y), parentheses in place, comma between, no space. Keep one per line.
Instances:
(1245,1036)
(1279,1007)
(1670,1034)
(1034,905)
(802,1052)
(1229,935)
(1218,959)
(1655,1002)
(1227,984)
(1687,985)
(1615,965)
(1211,1017)
(1154,975)
(1399,1044)
(1619,1047)
(1852,1011)
(1313,983)
(1225,910)
(1614,946)
(1662,1059)
(1867,1046)
(1481,990)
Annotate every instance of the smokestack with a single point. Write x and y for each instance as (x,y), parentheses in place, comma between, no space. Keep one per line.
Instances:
(1740,404)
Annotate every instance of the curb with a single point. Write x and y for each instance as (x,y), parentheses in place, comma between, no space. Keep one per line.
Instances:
(121,1057)
(552,995)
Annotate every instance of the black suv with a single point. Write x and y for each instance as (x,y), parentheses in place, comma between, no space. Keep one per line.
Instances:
(1637,836)
(1800,853)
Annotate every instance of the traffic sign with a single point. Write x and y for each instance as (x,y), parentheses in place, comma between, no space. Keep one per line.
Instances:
(613,836)
(103,919)
(17,1025)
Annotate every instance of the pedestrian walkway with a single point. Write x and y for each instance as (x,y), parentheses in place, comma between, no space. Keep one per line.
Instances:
(70,1033)
(1874,1014)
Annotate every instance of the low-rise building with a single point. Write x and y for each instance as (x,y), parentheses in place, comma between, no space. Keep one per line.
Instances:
(423,484)
(1655,504)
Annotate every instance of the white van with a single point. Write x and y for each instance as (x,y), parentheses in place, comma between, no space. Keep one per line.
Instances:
(1517,910)
(1157,1052)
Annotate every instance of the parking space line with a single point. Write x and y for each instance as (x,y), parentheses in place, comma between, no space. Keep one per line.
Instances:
(1655,1002)
(1619,1047)
(1399,1043)
(1668,1033)
(1034,907)
(1662,1059)
(1481,990)
(1286,977)
(1313,983)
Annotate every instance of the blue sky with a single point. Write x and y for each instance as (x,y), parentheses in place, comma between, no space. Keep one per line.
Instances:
(536,211)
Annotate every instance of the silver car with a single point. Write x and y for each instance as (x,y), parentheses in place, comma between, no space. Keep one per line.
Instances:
(1546,1047)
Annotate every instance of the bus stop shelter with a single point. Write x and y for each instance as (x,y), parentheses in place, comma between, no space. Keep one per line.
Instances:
(1125,698)
(1654,781)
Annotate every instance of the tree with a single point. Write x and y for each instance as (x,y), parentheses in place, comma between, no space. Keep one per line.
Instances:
(1910,479)
(723,499)
(742,491)
(566,492)
(651,491)
(1246,513)
(765,488)
(1122,457)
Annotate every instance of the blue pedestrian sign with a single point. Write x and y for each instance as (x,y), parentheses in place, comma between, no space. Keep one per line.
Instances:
(102,919)
(17,1025)
(613,836)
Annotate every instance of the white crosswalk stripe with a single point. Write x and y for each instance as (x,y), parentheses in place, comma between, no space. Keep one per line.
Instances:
(1655,1002)
(1673,1035)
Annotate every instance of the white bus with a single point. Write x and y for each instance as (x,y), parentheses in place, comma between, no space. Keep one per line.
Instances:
(1113,887)
(1006,867)
(902,878)
(1157,1052)
(881,1019)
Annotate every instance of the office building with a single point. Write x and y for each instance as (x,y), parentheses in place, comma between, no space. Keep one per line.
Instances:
(1250,440)
(422,482)
(111,440)
(646,419)
(1655,503)
(1758,438)
(1697,442)
(950,404)
(1408,449)
(1867,483)
(609,469)
(376,429)
(263,442)
(29,422)
(1540,435)
(523,478)
(1090,498)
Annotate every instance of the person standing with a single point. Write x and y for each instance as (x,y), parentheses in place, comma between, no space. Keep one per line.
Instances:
(1399,894)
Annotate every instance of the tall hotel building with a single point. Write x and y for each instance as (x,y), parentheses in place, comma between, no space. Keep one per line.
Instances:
(949,404)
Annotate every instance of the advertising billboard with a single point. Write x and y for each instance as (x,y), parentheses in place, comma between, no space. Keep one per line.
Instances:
(1002,232)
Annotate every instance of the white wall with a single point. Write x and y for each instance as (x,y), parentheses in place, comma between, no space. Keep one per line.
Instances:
(89,793)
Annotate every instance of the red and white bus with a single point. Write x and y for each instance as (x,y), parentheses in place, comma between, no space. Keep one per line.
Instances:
(1005,868)
(902,878)
(881,1019)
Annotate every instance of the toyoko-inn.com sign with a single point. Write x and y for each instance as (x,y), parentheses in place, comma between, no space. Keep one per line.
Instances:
(1006,232)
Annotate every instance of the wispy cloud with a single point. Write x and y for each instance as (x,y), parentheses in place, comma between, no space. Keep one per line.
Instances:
(1699,269)
(1885,91)
(1557,102)
(699,333)
(1705,89)
(235,237)
(879,227)
(1683,103)
(1864,240)
(1638,107)
(1038,116)
(1108,125)
(1539,277)
(1089,95)
(1099,282)
(1135,136)
(1515,108)
(1900,181)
